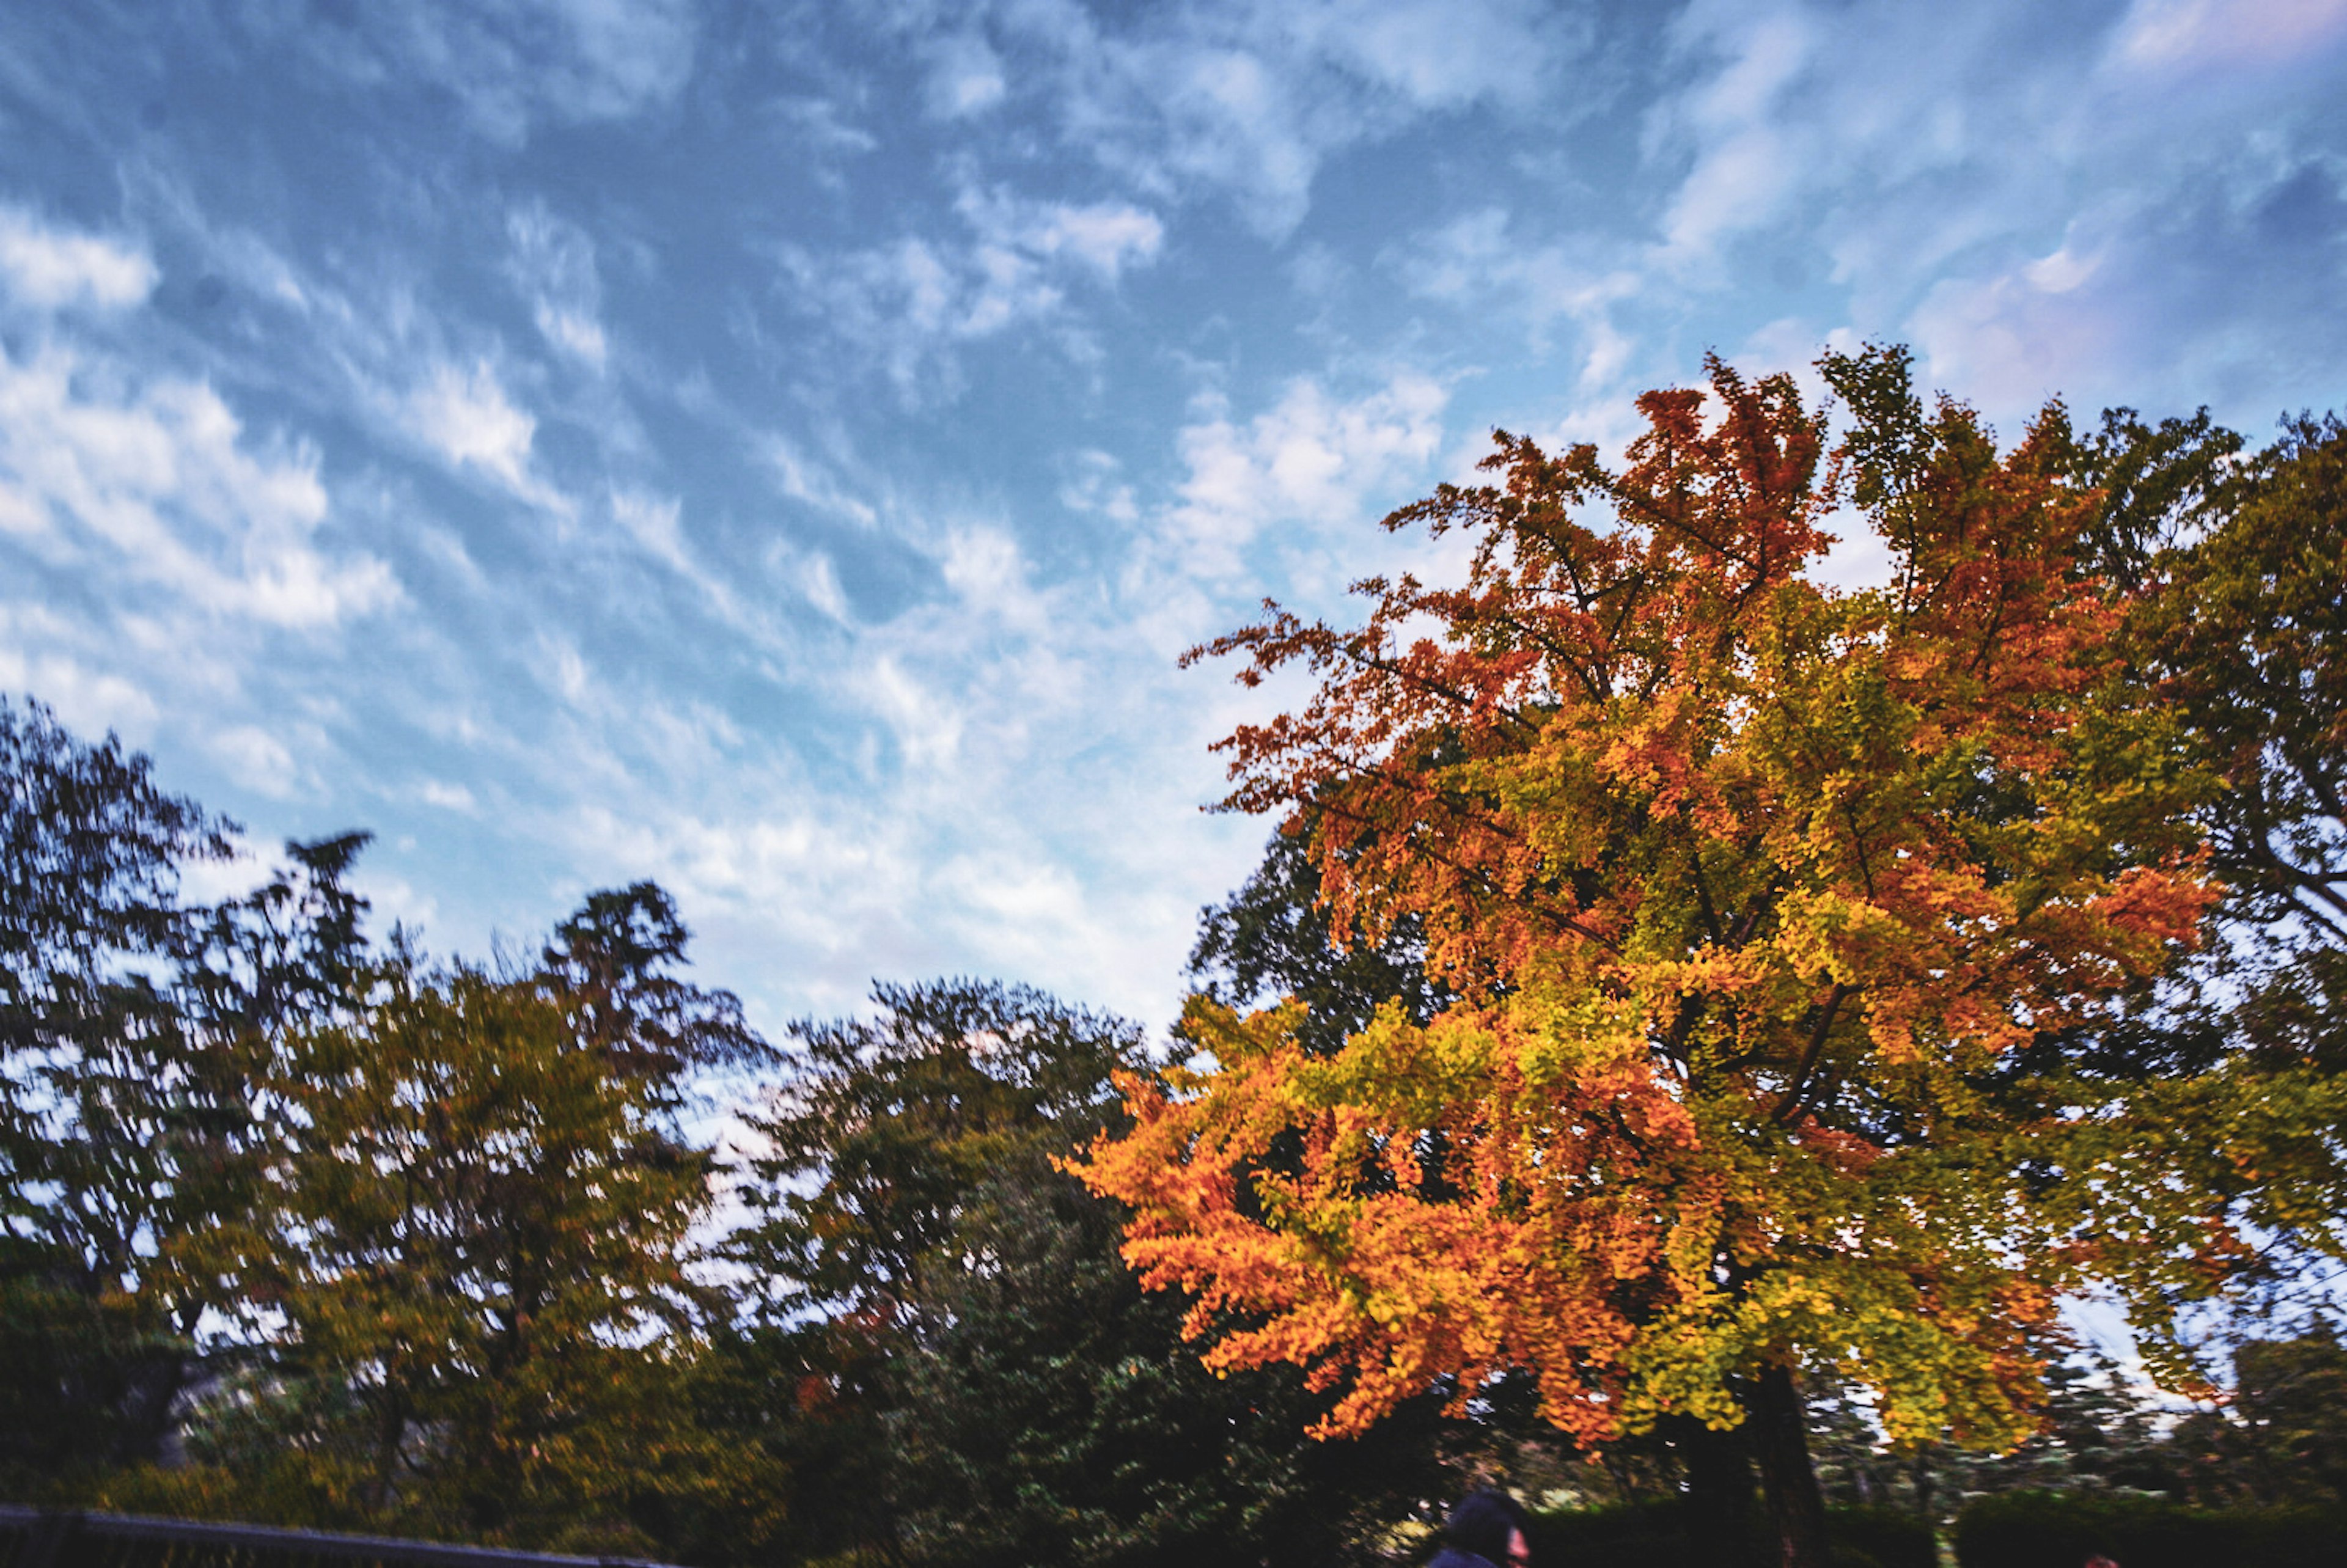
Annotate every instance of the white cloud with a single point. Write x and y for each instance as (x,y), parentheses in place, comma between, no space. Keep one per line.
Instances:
(464,414)
(2167,36)
(1248,100)
(966,76)
(822,123)
(553,264)
(2119,208)
(926,723)
(256,759)
(1092,486)
(1747,156)
(564,669)
(49,268)
(1104,237)
(805,479)
(908,304)
(509,63)
(655,523)
(813,574)
(91,701)
(1481,261)
(447,796)
(1310,458)
(154,481)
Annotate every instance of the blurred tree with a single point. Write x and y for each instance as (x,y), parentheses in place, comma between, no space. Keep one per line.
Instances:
(2282,1437)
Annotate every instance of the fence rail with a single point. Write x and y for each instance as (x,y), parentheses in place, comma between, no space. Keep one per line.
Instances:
(58,1538)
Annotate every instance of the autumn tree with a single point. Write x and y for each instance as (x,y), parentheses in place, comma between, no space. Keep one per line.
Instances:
(468,1283)
(1752,891)
(475,1277)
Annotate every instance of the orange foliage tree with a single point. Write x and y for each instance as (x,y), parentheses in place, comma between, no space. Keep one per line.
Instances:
(1769,906)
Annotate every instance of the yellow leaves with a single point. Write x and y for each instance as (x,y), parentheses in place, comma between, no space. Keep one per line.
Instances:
(1745,884)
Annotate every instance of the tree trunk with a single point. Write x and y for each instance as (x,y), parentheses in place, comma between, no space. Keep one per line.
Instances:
(1781,1439)
(1718,1468)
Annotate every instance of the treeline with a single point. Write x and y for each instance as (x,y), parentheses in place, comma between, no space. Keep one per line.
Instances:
(306,1226)
(309,1228)
(301,1224)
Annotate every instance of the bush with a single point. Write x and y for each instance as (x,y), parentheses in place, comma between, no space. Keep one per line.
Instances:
(1646,1533)
(1880,1538)
(1652,1535)
(2062,1529)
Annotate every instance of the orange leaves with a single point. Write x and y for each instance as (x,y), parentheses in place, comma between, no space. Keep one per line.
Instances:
(1376,1226)
(1745,884)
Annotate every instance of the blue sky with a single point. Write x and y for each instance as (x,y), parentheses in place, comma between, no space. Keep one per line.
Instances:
(781,451)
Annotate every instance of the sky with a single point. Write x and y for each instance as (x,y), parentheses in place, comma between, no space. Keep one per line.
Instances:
(783,451)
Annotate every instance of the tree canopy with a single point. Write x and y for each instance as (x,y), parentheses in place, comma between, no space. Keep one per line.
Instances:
(129,1023)
(1752,889)
(1695,1021)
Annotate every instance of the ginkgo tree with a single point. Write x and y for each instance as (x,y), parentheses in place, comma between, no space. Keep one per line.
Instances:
(1772,913)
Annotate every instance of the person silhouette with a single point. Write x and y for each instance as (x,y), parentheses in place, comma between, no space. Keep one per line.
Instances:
(1486,1528)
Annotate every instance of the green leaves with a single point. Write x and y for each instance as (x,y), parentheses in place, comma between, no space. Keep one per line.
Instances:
(2248,637)
(483,1226)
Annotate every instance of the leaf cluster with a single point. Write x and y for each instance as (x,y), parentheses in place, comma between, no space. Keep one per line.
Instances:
(1747,889)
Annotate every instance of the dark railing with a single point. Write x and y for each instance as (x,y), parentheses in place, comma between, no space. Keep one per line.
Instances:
(51,1538)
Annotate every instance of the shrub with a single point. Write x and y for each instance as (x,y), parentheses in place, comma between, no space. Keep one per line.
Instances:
(2062,1529)
(1652,1535)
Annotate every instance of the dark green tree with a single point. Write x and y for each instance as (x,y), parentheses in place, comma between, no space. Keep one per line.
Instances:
(613,964)
(132,1028)
(975,1376)
(2282,1438)
(93,1101)
(1273,939)
(2247,638)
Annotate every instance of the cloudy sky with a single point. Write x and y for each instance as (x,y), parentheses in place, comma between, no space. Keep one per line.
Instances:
(781,451)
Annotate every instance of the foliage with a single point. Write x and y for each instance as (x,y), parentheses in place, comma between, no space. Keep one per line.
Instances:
(2281,1438)
(612,965)
(1752,891)
(951,1319)
(1657,1535)
(899,1121)
(471,1296)
(391,1245)
(1052,1413)
(481,1233)
(131,1025)
(2061,1530)
(2249,638)
(1710,1012)
(90,850)
(1272,941)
